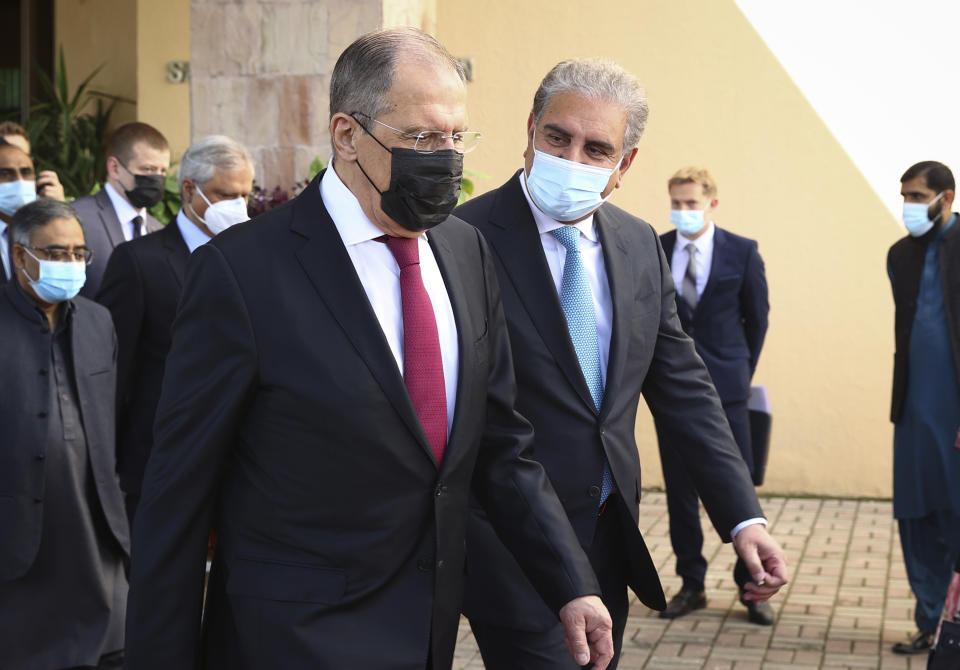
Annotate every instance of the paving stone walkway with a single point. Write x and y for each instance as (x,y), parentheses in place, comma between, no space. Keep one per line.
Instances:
(847,602)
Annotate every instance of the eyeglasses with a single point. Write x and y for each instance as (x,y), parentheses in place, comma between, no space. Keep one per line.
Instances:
(429,141)
(63,255)
(10,173)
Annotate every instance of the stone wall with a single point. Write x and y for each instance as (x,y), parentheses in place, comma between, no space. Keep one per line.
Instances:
(260,72)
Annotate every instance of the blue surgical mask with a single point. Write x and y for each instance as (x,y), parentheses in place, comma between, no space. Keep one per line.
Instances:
(916,219)
(16,194)
(689,222)
(57,281)
(565,190)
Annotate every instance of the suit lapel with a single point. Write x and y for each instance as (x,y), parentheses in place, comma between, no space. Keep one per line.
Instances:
(325,261)
(177,250)
(108,217)
(668,241)
(620,276)
(515,237)
(453,281)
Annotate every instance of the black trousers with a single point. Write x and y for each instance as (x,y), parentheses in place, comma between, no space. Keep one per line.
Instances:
(508,649)
(683,505)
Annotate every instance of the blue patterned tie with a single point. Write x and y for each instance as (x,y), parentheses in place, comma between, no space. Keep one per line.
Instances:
(577,302)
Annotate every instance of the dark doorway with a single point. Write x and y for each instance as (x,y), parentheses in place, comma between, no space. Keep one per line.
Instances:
(29,25)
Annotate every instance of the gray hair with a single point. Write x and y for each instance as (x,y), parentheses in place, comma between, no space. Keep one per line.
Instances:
(597,79)
(212,153)
(365,71)
(35,215)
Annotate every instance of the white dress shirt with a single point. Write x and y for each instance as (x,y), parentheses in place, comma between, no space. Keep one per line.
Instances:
(125,213)
(380,276)
(592,254)
(191,234)
(681,258)
(5,250)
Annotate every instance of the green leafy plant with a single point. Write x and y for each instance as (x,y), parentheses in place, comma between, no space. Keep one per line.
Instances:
(63,136)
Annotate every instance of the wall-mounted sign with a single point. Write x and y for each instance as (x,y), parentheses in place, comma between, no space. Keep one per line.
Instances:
(178,71)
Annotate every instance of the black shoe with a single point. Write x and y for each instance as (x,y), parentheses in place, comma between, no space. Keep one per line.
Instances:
(920,643)
(684,602)
(759,613)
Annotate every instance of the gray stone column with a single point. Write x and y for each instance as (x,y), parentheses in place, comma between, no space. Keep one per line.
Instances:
(260,72)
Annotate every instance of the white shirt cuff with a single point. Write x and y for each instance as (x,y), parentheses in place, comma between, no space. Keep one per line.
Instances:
(743,524)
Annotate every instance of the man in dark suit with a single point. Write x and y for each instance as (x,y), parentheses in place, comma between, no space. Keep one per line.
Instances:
(63,588)
(138,158)
(589,305)
(338,485)
(924,270)
(141,287)
(723,306)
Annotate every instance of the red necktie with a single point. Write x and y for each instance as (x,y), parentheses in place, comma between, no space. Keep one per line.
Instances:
(422,362)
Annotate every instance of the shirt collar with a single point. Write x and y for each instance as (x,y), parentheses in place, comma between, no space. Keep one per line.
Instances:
(345,210)
(190,232)
(545,224)
(703,243)
(125,211)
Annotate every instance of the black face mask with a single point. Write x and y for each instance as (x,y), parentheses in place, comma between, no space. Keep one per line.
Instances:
(147,189)
(424,188)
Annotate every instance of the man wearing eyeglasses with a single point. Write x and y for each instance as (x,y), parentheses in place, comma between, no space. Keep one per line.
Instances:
(339,378)
(18,186)
(65,539)
(138,157)
(589,304)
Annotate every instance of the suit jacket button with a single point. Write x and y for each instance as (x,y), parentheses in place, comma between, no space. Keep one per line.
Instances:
(38,500)
(43,371)
(594,491)
(440,564)
(41,415)
(40,457)
(423,565)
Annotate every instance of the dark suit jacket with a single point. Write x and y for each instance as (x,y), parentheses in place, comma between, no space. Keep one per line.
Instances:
(649,354)
(25,403)
(730,320)
(103,233)
(905,266)
(340,542)
(141,287)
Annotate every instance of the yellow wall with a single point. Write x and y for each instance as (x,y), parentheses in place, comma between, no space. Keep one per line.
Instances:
(134,40)
(101,32)
(719,98)
(163,35)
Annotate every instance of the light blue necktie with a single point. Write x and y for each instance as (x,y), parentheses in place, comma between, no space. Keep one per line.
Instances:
(577,302)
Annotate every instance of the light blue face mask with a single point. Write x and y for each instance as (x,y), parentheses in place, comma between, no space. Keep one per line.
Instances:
(916,219)
(565,190)
(689,222)
(57,281)
(16,194)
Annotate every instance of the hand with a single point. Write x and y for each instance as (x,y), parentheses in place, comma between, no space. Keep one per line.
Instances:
(589,631)
(764,559)
(48,185)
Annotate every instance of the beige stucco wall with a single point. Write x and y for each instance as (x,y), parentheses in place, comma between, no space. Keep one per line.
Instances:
(163,35)
(101,32)
(133,40)
(720,99)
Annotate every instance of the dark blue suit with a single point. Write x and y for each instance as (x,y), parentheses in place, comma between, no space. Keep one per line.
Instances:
(727,325)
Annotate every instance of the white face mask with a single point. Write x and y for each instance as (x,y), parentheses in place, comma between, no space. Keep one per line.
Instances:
(223,214)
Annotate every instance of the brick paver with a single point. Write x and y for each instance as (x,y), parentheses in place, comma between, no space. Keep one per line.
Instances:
(847,602)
